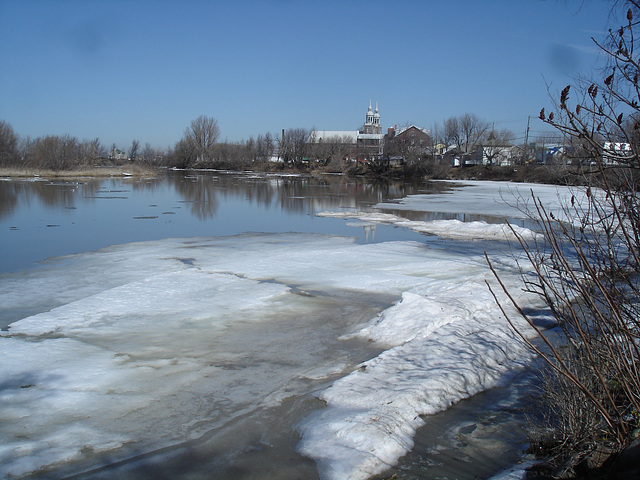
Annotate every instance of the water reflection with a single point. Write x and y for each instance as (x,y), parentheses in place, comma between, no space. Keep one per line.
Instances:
(199,191)
(51,194)
(290,193)
(202,190)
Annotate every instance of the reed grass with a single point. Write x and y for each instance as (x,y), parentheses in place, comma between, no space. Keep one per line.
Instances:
(79,172)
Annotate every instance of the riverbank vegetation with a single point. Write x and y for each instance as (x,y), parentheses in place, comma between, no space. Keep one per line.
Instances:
(67,156)
(587,420)
(446,155)
(133,170)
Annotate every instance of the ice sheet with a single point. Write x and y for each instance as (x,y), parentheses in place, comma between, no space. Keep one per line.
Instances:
(155,343)
(501,199)
(444,228)
(445,341)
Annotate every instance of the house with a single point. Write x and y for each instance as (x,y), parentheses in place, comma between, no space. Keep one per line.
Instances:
(499,154)
(117,154)
(408,139)
(408,144)
(616,153)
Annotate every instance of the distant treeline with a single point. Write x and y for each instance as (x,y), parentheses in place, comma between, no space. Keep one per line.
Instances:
(199,148)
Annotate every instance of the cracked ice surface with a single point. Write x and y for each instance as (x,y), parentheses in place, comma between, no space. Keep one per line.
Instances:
(445,342)
(168,348)
(156,343)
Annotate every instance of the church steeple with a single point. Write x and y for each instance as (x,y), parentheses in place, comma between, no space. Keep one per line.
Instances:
(372,123)
(369,120)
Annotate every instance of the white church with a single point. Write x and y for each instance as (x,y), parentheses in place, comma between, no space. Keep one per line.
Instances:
(368,141)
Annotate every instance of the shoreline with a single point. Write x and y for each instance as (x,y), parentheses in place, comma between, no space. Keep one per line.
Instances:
(81,172)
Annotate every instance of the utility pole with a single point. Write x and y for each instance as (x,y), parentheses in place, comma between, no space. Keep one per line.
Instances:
(526,141)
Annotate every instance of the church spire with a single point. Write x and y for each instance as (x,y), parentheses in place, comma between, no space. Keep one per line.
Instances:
(372,123)
(369,120)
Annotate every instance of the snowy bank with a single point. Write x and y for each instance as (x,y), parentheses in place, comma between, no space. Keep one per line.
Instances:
(498,199)
(445,340)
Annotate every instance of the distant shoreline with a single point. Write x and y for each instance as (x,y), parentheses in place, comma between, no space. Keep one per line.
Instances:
(546,174)
(93,172)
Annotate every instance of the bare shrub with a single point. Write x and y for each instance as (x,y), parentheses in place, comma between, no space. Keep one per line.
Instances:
(588,268)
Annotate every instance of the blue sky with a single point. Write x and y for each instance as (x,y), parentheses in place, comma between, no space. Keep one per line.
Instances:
(124,70)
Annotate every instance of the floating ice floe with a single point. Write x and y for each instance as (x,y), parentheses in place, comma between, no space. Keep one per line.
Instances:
(444,228)
(498,199)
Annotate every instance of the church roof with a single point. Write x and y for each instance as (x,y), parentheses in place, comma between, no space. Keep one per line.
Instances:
(325,135)
(370,136)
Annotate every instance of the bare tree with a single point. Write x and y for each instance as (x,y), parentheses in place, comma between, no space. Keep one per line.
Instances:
(52,152)
(473,131)
(293,146)
(148,154)
(90,151)
(133,150)
(465,132)
(250,150)
(269,145)
(182,155)
(8,145)
(202,134)
(498,146)
(452,133)
(332,149)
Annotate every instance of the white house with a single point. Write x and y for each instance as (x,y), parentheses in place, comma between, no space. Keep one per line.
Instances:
(614,153)
(500,155)
(117,154)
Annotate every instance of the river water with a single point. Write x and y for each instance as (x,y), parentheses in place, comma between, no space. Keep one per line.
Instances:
(71,241)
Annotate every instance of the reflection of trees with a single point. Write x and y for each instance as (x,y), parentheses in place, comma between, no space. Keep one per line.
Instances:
(292,193)
(62,193)
(9,193)
(199,190)
(203,191)
(50,193)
